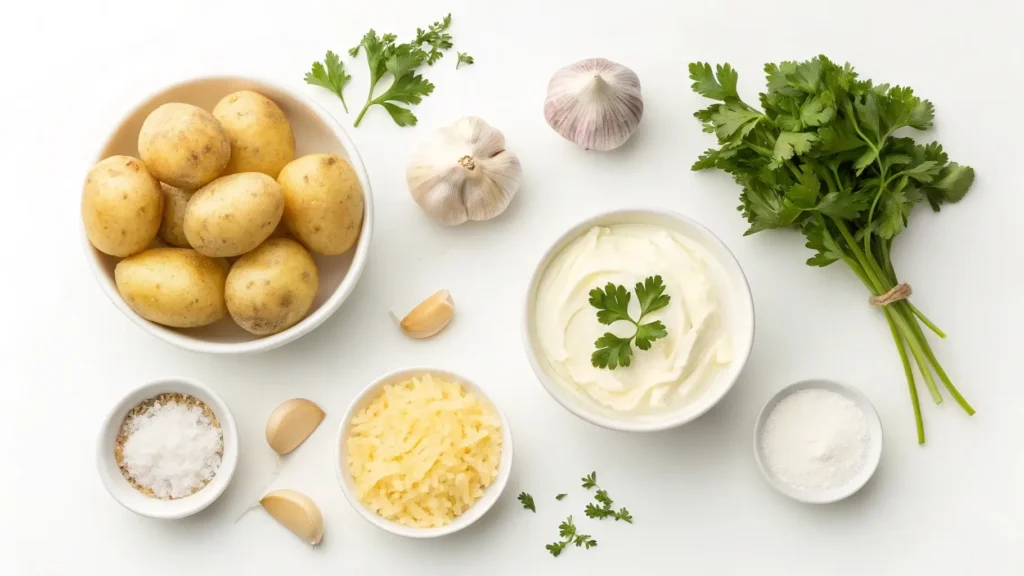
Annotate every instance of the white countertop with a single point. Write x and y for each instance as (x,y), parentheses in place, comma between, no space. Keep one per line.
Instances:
(954,506)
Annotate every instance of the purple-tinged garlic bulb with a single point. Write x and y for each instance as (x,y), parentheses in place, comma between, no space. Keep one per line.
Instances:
(595,103)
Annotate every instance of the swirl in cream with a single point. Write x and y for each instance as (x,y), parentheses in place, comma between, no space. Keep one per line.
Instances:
(679,367)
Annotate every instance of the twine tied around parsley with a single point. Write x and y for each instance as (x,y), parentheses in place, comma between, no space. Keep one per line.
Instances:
(895,294)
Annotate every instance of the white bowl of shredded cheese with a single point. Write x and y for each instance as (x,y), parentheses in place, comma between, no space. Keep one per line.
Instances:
(423,452)
(168,449)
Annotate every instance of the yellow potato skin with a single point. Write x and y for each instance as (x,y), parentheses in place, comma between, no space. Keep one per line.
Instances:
(261,137)
(122,206)
(176,287)
(184,145)
(271,288)
(323,202)
(233,214)
(172,226)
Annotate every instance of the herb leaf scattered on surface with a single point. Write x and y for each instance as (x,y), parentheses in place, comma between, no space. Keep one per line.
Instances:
(822,155)
(527,501)
(613,305)
(568,535)
(560,496)
(331,75)
(463,59)
(603,507)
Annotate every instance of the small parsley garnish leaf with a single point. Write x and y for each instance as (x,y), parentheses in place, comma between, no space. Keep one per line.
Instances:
(463,59)
(560,496)
(612,305)
(568,535)
(603,508)
(330,75)
(527,501)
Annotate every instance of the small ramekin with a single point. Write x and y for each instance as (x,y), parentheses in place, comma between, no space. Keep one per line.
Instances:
(475,512)
(136,501)
(832,494)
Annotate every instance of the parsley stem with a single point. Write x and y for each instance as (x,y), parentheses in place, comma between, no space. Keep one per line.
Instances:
(927,349)
(931,326)
(909,372)
(919,356)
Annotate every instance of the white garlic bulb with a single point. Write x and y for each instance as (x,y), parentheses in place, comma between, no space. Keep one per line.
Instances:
(464,173)
(595,103)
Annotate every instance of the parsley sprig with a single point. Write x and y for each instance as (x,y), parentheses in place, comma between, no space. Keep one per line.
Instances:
(822,156)
(385,56)
(568,535)
(527,501)
(613,305)
(603,507)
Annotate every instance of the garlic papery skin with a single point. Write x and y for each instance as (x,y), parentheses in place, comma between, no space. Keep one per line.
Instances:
(463,172)
(595,103)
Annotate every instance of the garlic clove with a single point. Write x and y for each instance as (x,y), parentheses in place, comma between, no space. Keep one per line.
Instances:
(291,423)
(430,316)
(595,103)
(463,172)
(296,512)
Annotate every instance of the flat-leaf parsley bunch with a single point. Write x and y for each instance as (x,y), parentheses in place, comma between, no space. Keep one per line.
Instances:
(823,155)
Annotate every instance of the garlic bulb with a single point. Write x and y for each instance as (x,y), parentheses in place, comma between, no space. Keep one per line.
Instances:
(464,173)
(595,103)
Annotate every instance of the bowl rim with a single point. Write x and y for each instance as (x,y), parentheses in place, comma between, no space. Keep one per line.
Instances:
(312,320)
(745,301)
(192,504)
(831,495)
(471,515)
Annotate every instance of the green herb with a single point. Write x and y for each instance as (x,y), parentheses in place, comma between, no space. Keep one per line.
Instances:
(567,532)
(463,59)
(527,501)
(331,75)
(401,61)
(560,496)
(613,305)
(822,156)
(603,508)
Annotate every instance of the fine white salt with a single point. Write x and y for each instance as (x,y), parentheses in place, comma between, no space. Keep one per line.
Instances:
(815,439)
(173,449)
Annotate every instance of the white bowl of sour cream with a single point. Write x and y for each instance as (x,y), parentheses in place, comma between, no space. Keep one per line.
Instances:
(708,321)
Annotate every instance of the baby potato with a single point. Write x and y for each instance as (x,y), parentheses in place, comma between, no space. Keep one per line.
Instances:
(233,214)
(172,228)
(271,288)
(261,137)
(121,206)
(176,287)
(323,202)
(184,145)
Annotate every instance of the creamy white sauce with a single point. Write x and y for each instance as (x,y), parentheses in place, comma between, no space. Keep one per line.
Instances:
(679,367)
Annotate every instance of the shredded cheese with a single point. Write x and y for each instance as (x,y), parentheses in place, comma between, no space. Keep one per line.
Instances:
(423,451)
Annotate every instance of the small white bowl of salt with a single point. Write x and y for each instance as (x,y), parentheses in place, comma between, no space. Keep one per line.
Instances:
(168,449)
(818,441)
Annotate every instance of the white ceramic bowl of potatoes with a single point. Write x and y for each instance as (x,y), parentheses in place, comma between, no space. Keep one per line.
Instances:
(227,215)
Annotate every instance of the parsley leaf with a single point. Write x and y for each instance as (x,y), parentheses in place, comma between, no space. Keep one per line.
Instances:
(612,306)
(463,59)
(603,508)
(331,75)
(560,496)
(527,501)
(568,535)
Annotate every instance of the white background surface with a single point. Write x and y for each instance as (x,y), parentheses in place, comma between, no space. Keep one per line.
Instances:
(955,506)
